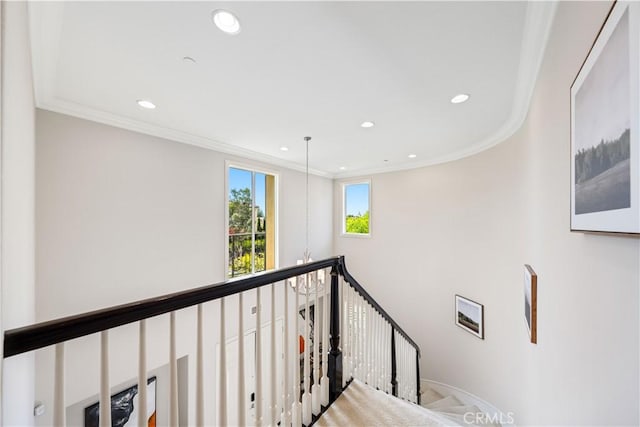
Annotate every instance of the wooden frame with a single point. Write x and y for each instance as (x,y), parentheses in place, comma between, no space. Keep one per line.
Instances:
(531,302)
(605,129)
(469,315)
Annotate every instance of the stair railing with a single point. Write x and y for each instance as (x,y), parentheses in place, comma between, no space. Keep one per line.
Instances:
(374,348)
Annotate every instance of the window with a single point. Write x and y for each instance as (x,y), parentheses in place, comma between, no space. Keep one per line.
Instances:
(356,208)
(251,221)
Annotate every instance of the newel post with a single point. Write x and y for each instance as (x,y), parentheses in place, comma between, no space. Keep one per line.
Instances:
(335,355)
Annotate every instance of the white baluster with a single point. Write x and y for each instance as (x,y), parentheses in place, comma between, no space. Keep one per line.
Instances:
(324,382)
(199,369)
(296,407)
(356,336)
(59,418)
(222,384)
(105,394)
(173,371)
(285,419)
(374,348)
(306,397)
(274,415)
(403,379)
(242,406)
(381,355)
(344,333)
(315,389)
(388,353)
(369,350)
(142,374)
(258,395)
(359,338)
(353,331)
(406,369)
(363,340)
(385,355)
(378,358)
(414,375)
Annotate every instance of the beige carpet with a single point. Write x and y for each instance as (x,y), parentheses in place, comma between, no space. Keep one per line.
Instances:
(361,405)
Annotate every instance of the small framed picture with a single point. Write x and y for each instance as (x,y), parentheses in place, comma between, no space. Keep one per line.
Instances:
(470,316)
(531,302)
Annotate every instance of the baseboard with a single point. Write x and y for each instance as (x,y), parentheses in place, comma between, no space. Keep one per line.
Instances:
(469,399)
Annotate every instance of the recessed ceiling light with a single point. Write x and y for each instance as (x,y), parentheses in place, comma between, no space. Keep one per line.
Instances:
(226,21)
(189,60)
(283,148)
(412,156)
(459,98)
(342,168)
(145,103)
(367,124)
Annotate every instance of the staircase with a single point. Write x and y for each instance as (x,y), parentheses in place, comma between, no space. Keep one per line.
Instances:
(362,405)
(454,410)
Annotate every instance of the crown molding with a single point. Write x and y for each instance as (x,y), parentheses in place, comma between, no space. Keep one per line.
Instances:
(538,21)
(46,19)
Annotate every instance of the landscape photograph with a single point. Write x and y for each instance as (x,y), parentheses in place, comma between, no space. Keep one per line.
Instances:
(469,316)
(602,131)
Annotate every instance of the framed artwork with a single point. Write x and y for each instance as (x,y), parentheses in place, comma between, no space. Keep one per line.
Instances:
(531,302)
(470,316)
(124,408)
(605,150)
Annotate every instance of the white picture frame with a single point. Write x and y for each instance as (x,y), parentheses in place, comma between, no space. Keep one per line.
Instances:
(605,131)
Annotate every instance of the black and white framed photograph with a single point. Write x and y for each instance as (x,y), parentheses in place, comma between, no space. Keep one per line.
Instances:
(470,316)
(604,129)
(531,302)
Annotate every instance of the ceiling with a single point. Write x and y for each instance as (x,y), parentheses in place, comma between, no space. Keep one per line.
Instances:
(297,69)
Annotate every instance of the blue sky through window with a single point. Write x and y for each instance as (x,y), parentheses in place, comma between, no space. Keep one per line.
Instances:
(240,178)
(357,199)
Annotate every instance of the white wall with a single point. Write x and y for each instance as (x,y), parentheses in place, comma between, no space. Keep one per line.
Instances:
(122,216)
(17,215)
(468,227)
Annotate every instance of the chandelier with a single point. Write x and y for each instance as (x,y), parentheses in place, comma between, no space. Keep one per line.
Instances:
(311,282)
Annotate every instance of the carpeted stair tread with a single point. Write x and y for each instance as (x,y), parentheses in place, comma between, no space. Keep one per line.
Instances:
(362,405)
(429,395)
(458,410)
(443,403)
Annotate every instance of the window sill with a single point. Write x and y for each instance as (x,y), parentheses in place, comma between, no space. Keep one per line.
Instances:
(356,235)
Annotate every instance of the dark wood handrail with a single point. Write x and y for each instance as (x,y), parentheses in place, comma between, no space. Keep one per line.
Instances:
(358,287)
(39,335)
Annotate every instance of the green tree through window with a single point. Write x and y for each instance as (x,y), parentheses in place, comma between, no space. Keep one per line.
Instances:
(250,233)
(356,201)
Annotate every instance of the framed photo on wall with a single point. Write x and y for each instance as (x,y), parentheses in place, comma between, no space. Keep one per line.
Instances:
(605,149)
(531,302)
(470,316)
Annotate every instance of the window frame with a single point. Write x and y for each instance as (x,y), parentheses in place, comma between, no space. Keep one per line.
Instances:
(253,168)
(343,215)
